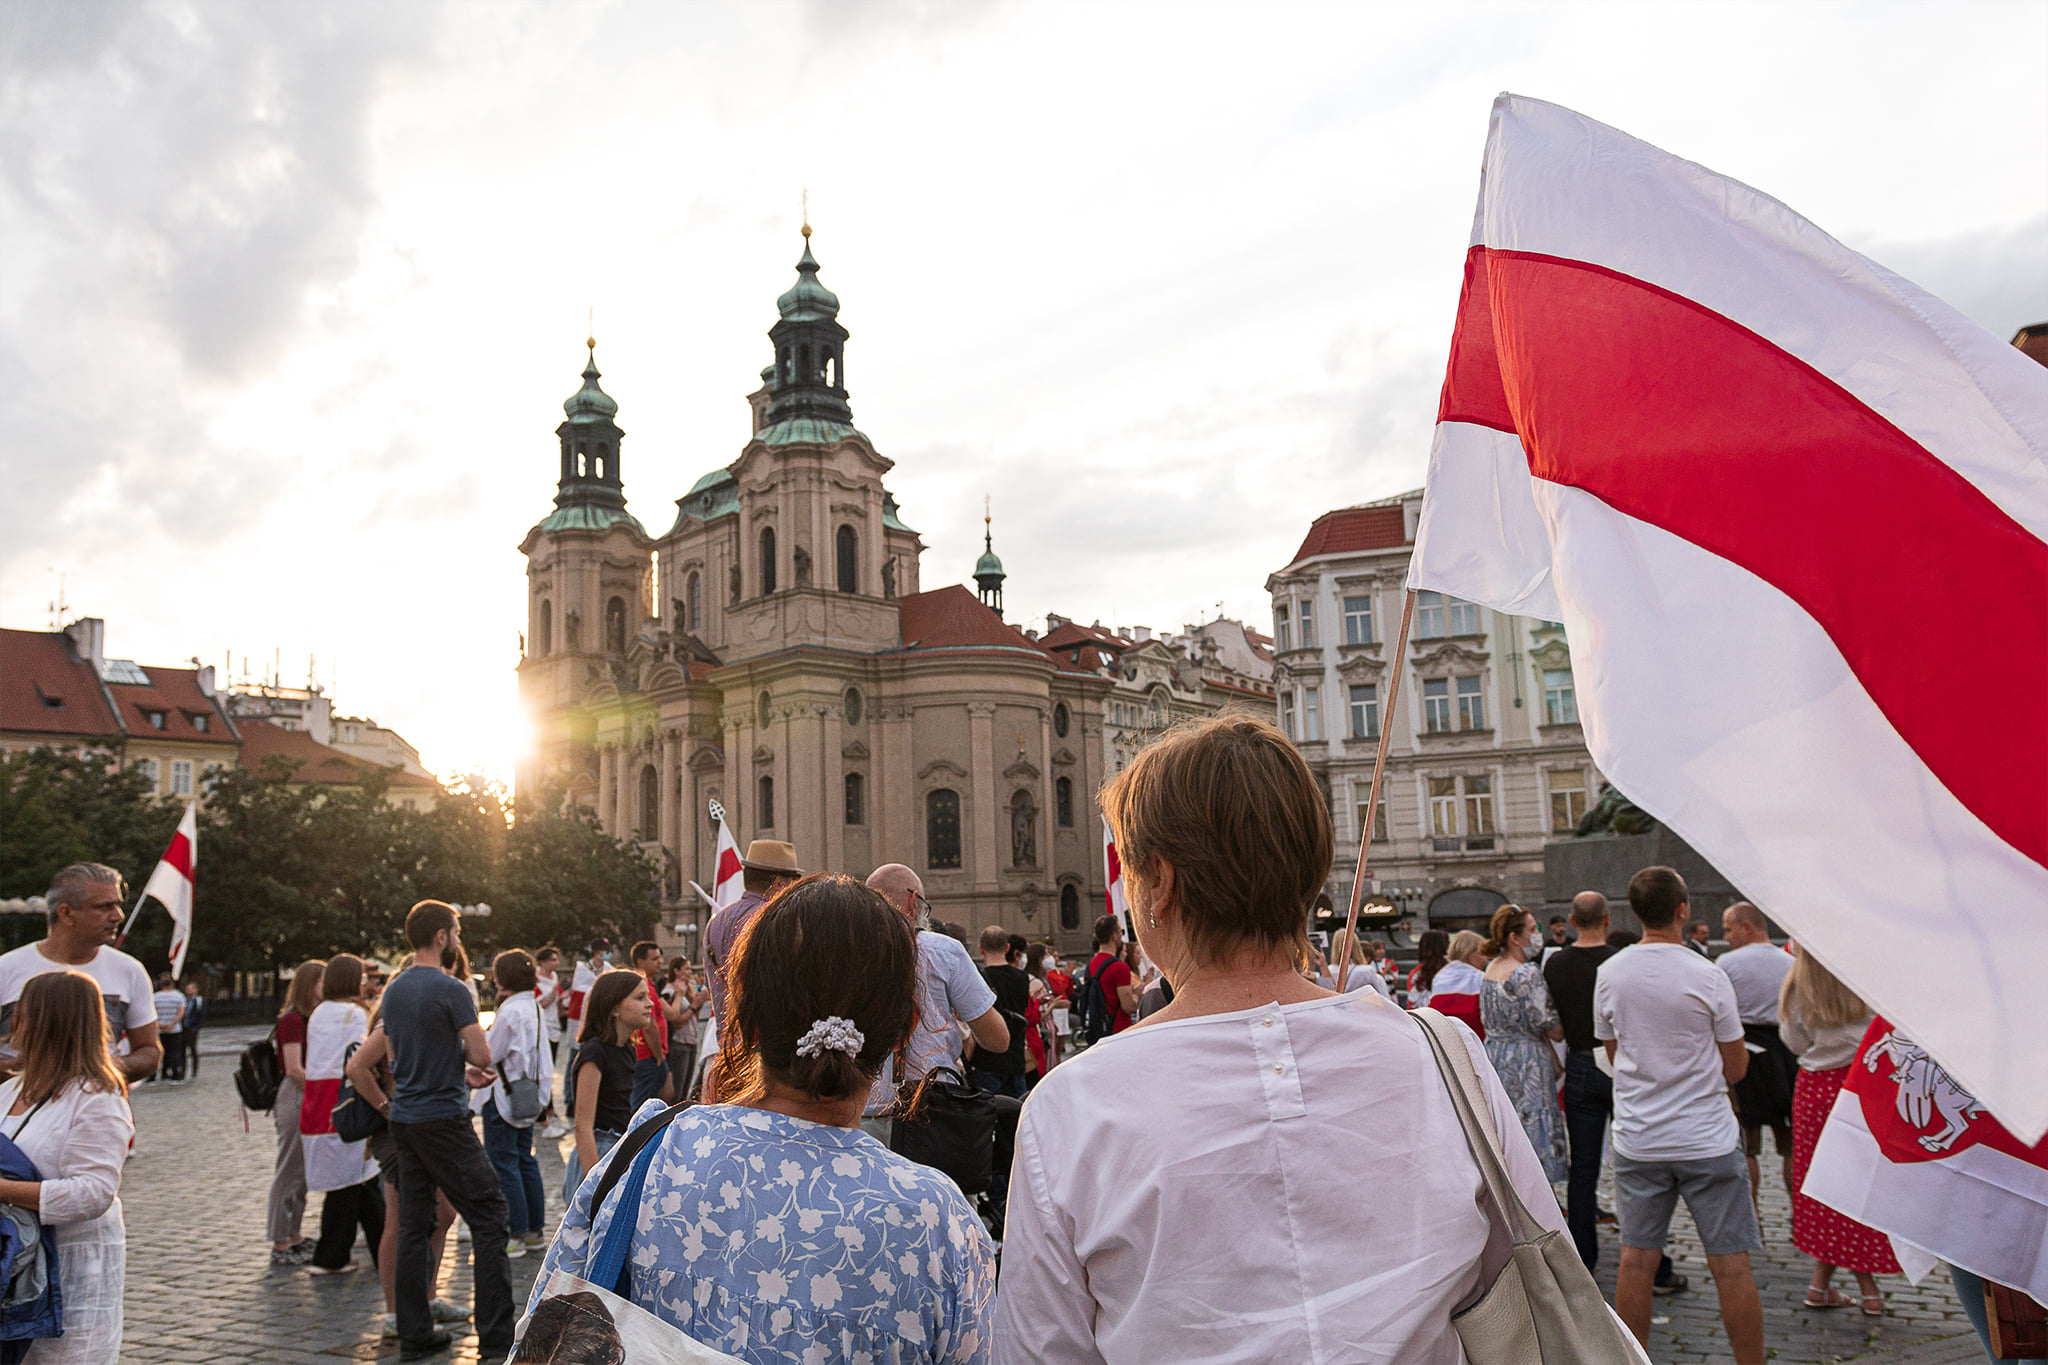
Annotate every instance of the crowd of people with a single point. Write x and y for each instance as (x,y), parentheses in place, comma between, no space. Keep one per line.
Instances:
(1161,1119)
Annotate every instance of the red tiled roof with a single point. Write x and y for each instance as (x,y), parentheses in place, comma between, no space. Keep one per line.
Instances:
(39,668)
(1073,633)
(316,762)
(952,617)
(1353,528)
(174,693)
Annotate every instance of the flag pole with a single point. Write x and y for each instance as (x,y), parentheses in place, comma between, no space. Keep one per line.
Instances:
(1372,802)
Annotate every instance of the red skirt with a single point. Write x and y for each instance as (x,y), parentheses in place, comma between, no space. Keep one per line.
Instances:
(1818,1230)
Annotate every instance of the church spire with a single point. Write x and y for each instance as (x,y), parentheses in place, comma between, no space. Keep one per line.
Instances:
(988,570)
(809,374)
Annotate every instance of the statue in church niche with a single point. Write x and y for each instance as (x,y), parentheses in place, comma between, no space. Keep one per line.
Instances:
(802,558)
(1023,831)
(572,628)
(735,585)
(889,578)
(677,619)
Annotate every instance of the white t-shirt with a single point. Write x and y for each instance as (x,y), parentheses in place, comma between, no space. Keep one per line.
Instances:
(124,985)
(1666,1008)
(547,991)
(1757,971)
(170,1011)
(1171,1195)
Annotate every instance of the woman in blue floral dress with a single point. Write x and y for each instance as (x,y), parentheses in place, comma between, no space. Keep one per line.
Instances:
(772,1228)
(1521,1024)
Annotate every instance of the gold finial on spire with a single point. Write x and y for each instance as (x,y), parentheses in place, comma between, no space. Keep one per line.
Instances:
(590,337)
(986,518)
(807,213)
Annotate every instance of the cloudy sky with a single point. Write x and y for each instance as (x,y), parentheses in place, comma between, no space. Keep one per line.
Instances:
(292,293)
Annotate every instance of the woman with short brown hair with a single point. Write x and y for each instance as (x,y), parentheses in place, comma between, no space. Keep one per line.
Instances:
(287,1203)
(1244,1095)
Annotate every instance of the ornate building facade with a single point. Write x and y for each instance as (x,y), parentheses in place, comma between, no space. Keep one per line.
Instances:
(774,649)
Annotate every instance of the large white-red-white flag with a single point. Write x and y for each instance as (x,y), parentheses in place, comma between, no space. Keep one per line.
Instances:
(729,885)
(171,884)
(1791,511)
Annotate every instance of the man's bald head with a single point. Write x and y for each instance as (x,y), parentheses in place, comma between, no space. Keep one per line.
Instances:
(899,886)
(1743,924)
(1589,910)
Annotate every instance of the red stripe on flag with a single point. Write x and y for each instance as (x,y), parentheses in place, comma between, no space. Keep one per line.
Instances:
(1679,417)
(179,855)
(728,865)
(316,1110)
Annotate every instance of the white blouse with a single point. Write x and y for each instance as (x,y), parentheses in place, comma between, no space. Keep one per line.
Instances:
(1286,1183)
(80,1142)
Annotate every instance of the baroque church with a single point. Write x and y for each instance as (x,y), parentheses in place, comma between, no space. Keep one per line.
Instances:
(773,650)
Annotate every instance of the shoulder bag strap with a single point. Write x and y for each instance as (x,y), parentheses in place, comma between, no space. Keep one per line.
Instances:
(28,1118)
(1468,1097)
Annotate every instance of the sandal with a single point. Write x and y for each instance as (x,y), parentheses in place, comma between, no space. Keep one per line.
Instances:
(1827,1298)
(1873,1305)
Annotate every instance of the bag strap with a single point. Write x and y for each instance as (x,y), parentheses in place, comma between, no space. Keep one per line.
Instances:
(630,1161)
(1468,1097)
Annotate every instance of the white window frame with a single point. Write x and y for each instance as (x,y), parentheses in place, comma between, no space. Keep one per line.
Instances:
(1358,620)
(1305,614)
(1478,808)
(1553,791)
(1283,632)
(1379,821)
(1365,711)
(1443,806)
(1471,693)
(181,777)
(1311,714)
(1429,615)
(1560,697)
(1287,713)
(154,769)
(1436,707)
(1464,616)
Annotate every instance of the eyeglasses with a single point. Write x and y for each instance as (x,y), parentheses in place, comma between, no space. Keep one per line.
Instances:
(919,903)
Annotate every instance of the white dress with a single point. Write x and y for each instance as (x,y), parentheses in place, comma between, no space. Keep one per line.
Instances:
(79,1141)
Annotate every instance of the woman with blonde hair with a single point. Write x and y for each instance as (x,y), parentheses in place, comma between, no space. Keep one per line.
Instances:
(1456,989)
(344,1170)
(1114,1251)
(1822,1022)
(1521,1026)
(1364,971)
(67,1110)
(287,1206)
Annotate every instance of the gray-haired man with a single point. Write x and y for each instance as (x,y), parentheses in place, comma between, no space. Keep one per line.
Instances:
(84,917)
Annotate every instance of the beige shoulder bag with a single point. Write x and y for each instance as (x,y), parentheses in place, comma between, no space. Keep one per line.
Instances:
(1544,1305)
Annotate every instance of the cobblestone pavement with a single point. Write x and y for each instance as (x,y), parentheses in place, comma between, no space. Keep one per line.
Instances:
(200,1286)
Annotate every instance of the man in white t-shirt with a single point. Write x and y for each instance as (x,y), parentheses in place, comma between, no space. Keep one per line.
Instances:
(84,915)
(1763,1097)
(1672,1030)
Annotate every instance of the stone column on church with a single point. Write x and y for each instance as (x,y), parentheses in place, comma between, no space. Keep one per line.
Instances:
(628,772)
(802,797)
(988,820)
(607,803)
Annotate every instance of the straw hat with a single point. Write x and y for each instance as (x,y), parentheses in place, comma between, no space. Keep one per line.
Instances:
(772,855)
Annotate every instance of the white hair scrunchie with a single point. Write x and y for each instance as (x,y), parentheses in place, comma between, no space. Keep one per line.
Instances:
(831,1034)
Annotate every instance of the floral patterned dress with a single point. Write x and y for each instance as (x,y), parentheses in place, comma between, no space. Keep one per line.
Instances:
(1519,1017)
(774,1239)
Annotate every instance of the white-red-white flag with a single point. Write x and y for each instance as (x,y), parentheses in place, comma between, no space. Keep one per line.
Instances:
(1911,1153)
(171,884)
(1113,875)
(1791,511)
(729,885)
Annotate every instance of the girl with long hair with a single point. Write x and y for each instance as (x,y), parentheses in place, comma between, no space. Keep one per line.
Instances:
(287,1205)
(67,1109)
(344,1170)
(601,1072)
(1433,949)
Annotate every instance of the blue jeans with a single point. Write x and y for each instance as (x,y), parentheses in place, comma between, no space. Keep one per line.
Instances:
(648,1075)
(1006,1136)
(511,1152)
(1588,1104)
(1970,1289)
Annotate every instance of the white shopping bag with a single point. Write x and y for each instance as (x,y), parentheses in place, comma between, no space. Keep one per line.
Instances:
(577,1321)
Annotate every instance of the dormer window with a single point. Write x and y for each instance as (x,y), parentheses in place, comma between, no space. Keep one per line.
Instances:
(199,722)
(156,719)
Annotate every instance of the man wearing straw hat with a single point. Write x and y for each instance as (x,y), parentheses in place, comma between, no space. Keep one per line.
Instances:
(769,866)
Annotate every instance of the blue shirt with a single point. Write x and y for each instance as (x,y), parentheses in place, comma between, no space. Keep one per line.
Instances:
(778,1240)
(424,1013)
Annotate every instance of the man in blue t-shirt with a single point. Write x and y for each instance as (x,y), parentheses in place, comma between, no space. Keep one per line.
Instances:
(438,1055)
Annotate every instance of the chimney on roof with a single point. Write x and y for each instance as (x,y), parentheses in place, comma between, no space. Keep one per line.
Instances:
(204,677)
(1139,633)
(89,637)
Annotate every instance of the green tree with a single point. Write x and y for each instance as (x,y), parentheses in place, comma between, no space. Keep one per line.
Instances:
(566,881)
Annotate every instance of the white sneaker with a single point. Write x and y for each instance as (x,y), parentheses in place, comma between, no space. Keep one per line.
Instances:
(445,1311)
(514,1249)
(391,1324)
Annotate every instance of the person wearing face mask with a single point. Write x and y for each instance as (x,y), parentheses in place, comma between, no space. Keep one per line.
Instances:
(1521,1026)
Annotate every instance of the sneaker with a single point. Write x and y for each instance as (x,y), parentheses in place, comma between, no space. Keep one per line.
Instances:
(515,1248)
(422,1350)
(536,1240)
(284,1257)
(445,1311)
(1677,1284)
(342,1269)
(391,1324)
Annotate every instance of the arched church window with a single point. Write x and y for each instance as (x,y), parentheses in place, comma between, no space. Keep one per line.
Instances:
(942,829)
(615,626)
(830,362)
(1060,720)
(767,559)
(1023,831)
(853,706)
(650,802)
(847,543)
(694,604)
(767,817)
(784,366)
(1063,801)
(856,799)
(546,634)
(1070,907)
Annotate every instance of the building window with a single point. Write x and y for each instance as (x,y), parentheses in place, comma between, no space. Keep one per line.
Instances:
(1063,801)
(1358,620)
(856,799)
(1282,636)
(1560,698)
(846,544)
(1287,714)
(545,636)
(181,777)
(767,559)
(1379,817)
(615,626)
(942,829)
(1311,715)
(1305,613)
(1365,711)
(200,720)
(1479,806)
(156,719)
(853,706)
(1070,907)
(1436,705)
(761,705)
(1567,800)
(1443,807)
(766,817)
(693,604)
(150,771)
(1060,720)
(1471,705)
(1439,614)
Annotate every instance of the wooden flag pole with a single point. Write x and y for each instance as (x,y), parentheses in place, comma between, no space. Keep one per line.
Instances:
(1372,802)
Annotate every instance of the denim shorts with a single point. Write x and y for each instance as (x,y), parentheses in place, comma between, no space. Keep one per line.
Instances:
(1716,1193)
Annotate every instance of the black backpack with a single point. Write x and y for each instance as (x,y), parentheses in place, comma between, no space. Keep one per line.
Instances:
(1096,1018)
(258,1074)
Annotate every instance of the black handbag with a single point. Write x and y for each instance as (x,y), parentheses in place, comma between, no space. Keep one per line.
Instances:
(952,1129)
(352,1116)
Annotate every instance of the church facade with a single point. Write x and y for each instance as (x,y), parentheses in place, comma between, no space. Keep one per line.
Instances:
(774,650)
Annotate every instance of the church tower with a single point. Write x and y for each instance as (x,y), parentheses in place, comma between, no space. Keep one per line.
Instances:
(988,570)
(810,350)
(590,438)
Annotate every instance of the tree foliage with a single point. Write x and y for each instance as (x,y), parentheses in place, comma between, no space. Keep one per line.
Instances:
(286,872)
